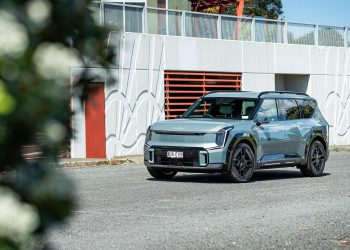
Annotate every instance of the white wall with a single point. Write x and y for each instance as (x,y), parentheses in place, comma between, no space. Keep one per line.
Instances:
(136,98)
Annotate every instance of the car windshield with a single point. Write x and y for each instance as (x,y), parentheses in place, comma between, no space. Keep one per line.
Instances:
(222,108)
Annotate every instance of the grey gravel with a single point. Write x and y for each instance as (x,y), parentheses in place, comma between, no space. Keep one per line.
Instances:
(122,207)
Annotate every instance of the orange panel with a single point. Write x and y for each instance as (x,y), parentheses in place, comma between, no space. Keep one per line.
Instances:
(183,88)
(95,122)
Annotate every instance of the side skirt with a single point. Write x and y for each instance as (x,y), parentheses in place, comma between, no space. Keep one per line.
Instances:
(279,164)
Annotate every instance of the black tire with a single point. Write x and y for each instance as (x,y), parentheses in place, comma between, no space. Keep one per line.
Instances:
(316,160)
(242,164)
(161,174)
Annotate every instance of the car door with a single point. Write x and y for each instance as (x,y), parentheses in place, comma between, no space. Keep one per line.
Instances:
(269,133)
(290,118)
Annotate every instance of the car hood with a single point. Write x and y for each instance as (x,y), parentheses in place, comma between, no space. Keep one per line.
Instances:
(194,125)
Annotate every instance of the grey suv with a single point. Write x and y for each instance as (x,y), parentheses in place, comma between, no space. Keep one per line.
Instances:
(236,133)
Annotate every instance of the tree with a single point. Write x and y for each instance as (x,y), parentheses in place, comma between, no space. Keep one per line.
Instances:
(39,40)
(270,9)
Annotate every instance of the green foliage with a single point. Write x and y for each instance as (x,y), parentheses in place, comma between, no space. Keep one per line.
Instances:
(270,9)
(40,39)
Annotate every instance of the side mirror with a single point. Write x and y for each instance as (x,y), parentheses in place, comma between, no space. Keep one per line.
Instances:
(262,120)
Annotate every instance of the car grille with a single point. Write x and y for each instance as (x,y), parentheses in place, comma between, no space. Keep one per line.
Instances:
(190,157)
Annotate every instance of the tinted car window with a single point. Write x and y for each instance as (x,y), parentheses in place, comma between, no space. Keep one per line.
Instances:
(306,108)
(222,108)
(268,109)
(288,109)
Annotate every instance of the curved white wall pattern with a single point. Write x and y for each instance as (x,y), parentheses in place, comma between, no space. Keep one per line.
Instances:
(136,98)
(332,90)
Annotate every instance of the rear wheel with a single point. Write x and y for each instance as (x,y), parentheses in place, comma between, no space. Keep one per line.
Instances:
(316,160)
(242,164)
(161,174)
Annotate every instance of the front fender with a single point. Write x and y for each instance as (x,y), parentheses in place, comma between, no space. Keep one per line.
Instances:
(236,139)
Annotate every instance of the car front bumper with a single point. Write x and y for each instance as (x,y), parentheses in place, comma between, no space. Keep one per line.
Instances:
(198,160)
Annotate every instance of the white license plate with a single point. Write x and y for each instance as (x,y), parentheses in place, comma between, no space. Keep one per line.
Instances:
(174,154)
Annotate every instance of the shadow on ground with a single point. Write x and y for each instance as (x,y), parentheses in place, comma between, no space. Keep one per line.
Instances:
(259,175)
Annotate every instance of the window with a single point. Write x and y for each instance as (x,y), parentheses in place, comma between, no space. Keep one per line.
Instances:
(268,110)
(306,108)
(114,17)
(288,109)
(222,108)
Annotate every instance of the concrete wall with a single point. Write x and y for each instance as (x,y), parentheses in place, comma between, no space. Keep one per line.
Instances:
(136,98)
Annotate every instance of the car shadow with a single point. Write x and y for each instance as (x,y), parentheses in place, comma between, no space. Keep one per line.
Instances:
(259,175)
(278,174)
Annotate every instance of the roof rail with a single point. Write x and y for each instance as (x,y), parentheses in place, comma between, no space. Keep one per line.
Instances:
(224,90)
(282,92)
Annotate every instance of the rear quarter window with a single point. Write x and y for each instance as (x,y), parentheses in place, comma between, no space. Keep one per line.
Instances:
(288,109)
(307,108)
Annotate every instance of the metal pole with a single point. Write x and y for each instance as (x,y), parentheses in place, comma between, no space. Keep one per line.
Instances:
(252,31)
(219,28)
(102,14)
(167,21)
(316,35)
(285,32)
(183,23)
(124,18)
(144,20)
(345,36)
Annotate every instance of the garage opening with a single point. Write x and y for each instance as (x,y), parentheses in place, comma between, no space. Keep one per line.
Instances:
(296,83)
(183,88)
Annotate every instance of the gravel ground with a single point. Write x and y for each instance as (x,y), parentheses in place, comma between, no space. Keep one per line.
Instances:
(122,207)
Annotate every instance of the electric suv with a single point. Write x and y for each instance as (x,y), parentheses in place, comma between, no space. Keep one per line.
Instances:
(235,133)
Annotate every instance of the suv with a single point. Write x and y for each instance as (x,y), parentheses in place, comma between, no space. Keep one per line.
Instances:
(235,133)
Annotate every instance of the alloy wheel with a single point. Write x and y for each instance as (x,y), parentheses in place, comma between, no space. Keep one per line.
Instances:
(318,158)
(242,162)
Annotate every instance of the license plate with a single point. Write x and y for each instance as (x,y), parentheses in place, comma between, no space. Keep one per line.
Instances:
(174,154)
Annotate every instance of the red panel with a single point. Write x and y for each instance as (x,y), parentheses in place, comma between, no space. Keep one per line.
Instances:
(183,88)
(95,122)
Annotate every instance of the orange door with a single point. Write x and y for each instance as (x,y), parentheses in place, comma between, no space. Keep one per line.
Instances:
(95,122)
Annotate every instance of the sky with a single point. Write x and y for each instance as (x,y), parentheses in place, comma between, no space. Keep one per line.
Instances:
(328,12)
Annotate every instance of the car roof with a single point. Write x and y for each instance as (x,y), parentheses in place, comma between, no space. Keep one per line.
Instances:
(233,94)
(254,95)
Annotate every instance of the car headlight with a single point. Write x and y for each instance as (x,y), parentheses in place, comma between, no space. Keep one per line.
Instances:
(148,134)
(221,136)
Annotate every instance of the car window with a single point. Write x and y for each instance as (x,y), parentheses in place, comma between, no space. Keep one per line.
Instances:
(306,108)
(288,109)
(222,108)
(268,109)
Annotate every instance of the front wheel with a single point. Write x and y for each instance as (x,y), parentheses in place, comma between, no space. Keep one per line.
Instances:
(242,164)
(316,160)
(161,174)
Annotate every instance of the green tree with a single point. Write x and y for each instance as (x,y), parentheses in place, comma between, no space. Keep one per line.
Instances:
(39,41)
(271,9)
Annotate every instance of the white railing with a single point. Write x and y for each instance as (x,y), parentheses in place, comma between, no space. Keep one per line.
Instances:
(141,19)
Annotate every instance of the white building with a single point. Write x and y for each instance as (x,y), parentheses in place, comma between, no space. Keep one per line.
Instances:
(162,45)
